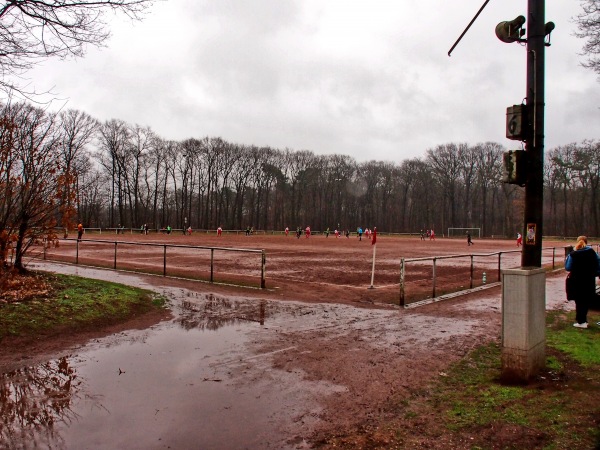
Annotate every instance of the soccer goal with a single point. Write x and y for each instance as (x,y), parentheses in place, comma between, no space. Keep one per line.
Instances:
(455,232)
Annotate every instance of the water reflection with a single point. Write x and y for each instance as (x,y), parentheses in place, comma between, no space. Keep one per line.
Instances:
(216,312)
(35,399)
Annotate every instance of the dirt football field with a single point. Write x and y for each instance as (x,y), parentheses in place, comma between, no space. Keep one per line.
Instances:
(317,268)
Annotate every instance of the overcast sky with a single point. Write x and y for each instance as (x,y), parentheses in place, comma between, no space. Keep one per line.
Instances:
(370,79)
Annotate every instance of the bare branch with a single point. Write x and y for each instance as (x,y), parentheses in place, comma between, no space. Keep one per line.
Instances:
(588,24)
(32,31)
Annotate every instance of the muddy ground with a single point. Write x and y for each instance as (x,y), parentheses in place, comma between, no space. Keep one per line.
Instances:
(375,353)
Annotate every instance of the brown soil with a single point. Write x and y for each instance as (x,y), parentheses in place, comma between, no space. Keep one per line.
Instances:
(314,269)
(378,371)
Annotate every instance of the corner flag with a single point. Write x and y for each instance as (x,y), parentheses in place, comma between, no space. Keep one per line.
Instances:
(373,242)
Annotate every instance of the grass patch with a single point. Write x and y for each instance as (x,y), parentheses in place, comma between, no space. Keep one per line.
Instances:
(583,345)
(559,409)
(71,303)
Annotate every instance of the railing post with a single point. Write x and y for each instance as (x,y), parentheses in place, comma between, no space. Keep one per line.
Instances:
(471,280)
(402,297)
(76,252)
(433,293)
(164,260)
(499,266)
(263,282)
(212,265)
(115,262)
(553,256)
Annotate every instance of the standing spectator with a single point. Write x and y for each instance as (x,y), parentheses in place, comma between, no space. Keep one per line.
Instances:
(519,240)
(584,266)
(79,231)
(469,241)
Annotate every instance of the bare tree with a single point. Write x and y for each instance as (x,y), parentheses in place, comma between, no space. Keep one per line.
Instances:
(78,130)
(587,165)
(588,24)
(489,171)
(33,171)
(560,180)
(91,203)
(113,139)
(33,30)
(445,162)
(240,178)
(141,140)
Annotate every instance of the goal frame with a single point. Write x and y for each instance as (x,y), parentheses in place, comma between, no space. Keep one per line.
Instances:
(457,232)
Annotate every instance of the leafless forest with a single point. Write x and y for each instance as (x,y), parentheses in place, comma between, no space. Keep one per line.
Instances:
(115,173)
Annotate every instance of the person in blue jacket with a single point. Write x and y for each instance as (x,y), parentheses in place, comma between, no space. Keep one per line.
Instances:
(583,264)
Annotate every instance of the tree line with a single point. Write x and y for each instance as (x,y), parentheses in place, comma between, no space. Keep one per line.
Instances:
(57,169)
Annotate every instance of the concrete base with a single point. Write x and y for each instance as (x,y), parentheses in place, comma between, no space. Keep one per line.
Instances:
(523,323)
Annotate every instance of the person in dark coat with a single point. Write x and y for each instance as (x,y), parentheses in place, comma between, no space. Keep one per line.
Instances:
(583,264)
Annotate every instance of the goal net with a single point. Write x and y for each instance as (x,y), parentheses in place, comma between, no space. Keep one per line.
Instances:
(462,232)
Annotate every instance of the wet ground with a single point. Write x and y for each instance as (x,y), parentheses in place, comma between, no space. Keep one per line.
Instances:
(238,372)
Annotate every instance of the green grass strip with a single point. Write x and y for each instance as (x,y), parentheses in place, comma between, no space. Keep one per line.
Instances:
(75,303)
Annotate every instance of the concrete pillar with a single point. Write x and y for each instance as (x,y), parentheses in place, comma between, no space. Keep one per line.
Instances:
(523,323)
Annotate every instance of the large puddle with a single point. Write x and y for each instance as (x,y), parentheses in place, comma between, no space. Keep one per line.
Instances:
(180,384)
(195,381)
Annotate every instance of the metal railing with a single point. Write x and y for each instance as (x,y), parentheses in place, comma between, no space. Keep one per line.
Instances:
(426,281)
(133,260)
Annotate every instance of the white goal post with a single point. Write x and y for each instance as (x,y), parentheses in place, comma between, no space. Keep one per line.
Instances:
(456,232)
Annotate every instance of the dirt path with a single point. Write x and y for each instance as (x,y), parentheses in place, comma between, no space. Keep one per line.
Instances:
(375,355)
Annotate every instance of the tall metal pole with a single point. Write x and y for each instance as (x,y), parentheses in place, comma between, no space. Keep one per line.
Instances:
(534,145)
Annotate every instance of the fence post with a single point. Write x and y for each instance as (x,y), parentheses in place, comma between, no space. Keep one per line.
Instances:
(499,266)
(115,262)
(471,280)
(76,252)
(402,298)
(212,258)
(164,260)
(433,293)
(263,283)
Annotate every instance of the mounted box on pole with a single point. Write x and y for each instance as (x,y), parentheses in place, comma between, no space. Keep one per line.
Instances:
(516,122)
(515,167)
